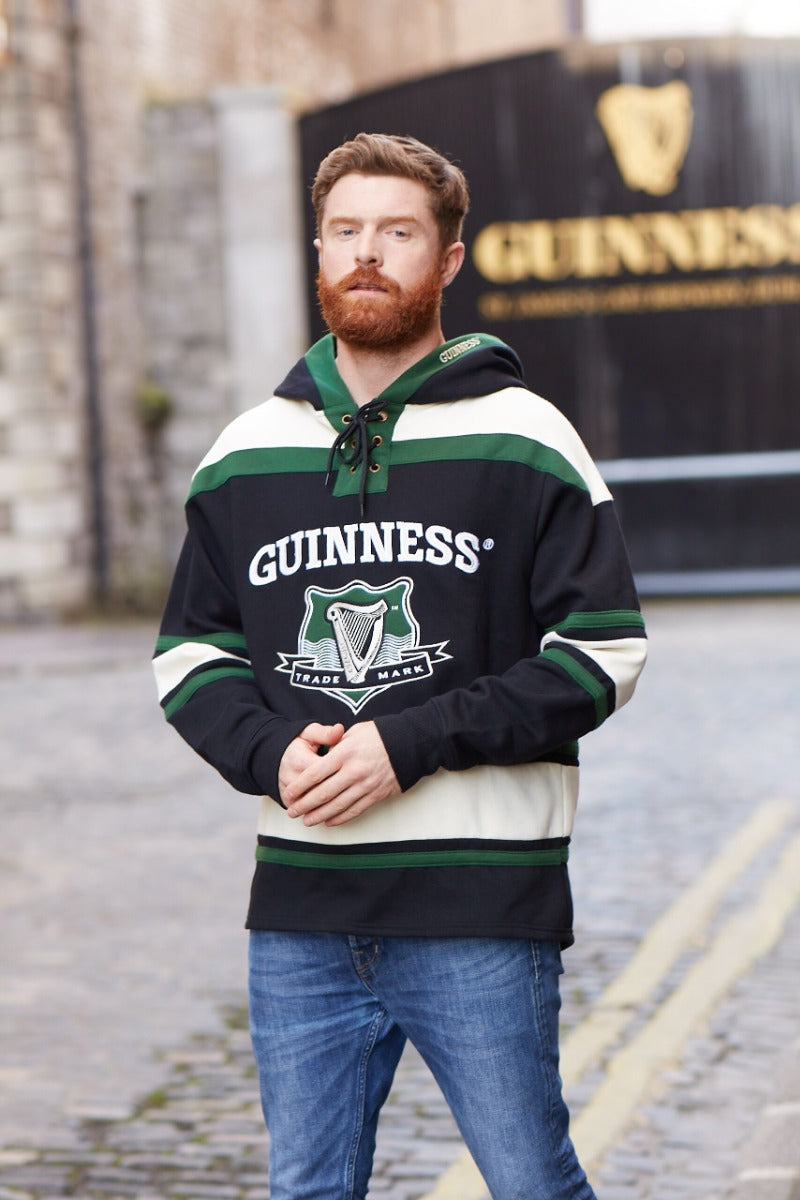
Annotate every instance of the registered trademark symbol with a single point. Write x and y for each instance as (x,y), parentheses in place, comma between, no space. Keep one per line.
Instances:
(488,543)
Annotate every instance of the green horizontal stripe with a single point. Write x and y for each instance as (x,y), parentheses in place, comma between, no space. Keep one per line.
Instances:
(223,641)
(273,460)
(492,447)
(613,619)
(583,678)
(197,681)
(412,858)
(499,447)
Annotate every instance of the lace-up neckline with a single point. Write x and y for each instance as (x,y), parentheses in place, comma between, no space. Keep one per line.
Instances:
(354,444)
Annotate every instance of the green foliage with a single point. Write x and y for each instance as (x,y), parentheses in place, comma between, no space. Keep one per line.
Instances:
(154,406)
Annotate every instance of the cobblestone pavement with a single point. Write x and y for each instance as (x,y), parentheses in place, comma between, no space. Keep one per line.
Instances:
(125,1068)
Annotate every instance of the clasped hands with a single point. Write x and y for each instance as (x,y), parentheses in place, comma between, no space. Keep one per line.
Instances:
(341,784)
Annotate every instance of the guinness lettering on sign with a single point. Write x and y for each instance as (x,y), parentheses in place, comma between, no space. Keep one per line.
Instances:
(707,239)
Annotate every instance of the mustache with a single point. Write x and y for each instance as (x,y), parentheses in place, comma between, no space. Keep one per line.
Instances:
(366,277)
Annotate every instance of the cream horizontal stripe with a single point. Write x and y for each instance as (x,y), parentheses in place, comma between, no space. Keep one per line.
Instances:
(535,800)
(280,423)
(275,424)
(620,658)
(172,667)
(512,410)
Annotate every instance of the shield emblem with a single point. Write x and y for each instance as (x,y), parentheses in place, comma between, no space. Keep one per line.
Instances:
(356,641)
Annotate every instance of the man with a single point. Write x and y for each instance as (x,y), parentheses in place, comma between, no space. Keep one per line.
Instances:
(402,598)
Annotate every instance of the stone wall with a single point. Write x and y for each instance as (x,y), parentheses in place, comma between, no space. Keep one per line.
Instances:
(44,528)
(178,310)
(220,277)
(182,302)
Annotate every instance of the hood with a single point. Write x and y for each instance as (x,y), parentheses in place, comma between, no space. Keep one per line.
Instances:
(475,364)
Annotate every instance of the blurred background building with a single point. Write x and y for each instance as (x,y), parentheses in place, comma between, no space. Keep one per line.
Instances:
(155,157)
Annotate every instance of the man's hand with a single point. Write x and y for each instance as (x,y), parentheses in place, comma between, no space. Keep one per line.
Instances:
(338,786)
(303,753)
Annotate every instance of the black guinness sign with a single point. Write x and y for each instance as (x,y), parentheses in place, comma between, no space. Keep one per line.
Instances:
(635,235)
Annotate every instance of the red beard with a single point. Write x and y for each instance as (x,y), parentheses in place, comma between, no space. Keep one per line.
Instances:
(385,320)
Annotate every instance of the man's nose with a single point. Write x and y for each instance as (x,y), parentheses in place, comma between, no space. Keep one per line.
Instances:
(367,248)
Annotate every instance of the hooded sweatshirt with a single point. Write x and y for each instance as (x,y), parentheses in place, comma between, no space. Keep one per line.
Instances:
(444,561)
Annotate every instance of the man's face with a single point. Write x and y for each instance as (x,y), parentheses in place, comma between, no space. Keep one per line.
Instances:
(381,265)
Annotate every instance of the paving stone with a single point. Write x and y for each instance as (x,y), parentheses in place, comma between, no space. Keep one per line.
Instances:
(142,1041)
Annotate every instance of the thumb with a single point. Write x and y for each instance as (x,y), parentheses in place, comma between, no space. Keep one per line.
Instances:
(318,736)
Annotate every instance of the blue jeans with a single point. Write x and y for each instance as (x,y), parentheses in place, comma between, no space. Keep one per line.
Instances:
(329,1016)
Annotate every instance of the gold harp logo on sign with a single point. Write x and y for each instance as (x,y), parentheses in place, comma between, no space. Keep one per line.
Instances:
(648,130)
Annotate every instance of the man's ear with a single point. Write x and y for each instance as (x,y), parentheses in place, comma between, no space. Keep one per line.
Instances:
(318,246)
(452,261)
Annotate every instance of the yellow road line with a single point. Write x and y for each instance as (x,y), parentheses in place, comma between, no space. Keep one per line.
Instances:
(745,937)
(665,941)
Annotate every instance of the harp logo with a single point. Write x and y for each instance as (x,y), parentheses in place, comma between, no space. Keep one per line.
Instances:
(358,641)
(648,130)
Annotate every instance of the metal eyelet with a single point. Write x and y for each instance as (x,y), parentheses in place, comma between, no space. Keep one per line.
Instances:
(353,470)
(383,416)
(377,440)
(346,418)
(374,468)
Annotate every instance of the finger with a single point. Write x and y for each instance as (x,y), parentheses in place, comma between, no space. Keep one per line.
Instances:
(329,781)
(341,808)
(349,814)
(322,735)
(296,773)
(317,784)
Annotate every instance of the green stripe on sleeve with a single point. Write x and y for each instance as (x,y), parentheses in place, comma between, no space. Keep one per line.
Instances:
(583,678)
(615,618)
(411,858)
(243,670)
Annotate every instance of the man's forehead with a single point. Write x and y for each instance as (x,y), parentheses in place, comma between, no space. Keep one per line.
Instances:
(391,195)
